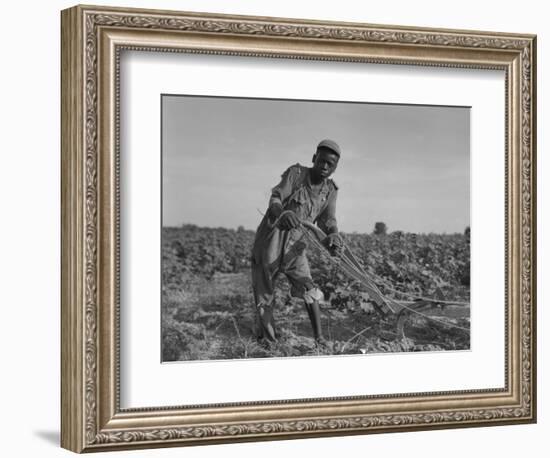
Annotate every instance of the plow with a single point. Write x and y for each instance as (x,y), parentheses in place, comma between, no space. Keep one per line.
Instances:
(435,309)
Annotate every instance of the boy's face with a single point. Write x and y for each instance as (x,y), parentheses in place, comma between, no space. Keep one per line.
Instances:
(325,162)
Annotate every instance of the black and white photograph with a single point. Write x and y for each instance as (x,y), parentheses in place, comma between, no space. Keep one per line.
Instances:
(305,228)
(268,229)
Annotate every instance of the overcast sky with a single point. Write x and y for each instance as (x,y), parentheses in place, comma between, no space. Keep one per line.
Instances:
(408,166)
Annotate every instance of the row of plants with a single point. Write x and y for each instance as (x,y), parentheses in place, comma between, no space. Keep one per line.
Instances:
(415,264)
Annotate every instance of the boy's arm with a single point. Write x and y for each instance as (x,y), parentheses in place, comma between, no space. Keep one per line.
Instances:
(281,191)
(327,222)
(327,219)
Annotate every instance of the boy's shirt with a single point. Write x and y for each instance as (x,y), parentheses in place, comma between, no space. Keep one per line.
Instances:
(310,203)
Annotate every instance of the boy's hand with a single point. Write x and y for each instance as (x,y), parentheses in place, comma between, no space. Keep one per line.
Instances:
(334,243)
(289,220)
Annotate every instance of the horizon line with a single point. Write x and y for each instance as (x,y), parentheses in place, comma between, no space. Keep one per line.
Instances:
(180,226)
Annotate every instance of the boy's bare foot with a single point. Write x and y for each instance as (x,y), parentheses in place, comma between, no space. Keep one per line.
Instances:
(320,342)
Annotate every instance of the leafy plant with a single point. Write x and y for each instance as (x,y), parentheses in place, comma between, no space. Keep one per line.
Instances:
(206,290)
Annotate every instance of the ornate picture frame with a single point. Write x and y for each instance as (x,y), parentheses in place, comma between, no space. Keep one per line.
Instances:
(93,39)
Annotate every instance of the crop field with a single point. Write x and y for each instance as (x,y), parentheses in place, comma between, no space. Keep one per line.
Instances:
(208,309)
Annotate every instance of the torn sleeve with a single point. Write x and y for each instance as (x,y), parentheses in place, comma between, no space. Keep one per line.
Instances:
(284,189)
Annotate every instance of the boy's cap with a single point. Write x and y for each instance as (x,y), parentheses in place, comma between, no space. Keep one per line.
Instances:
(330,144)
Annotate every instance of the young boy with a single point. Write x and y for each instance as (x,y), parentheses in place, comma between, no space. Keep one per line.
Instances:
(304,194)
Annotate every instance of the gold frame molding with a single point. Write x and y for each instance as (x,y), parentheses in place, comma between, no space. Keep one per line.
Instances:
(92,39)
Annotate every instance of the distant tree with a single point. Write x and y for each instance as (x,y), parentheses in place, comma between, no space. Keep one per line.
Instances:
(467,231)
(380,228)
(240,229)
